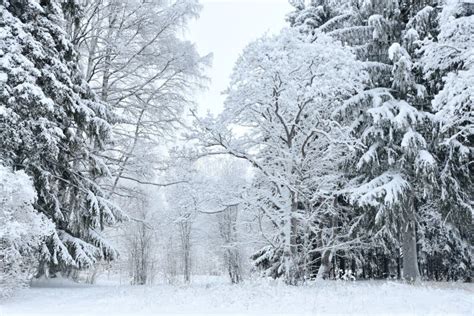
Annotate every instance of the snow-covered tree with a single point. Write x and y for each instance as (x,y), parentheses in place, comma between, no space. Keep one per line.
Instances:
(226,181)
(447,64)
(139,236)
(184,202)
(135,59)
(311,15)
(395,171)
(53,128)
(228,230)
(22,230)
(277,117)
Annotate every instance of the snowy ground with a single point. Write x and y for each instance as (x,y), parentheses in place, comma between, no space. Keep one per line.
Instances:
(214,296)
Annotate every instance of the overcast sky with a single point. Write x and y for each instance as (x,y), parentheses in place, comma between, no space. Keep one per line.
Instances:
(224,29)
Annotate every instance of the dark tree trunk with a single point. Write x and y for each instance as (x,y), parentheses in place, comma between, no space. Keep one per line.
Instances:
(399,274)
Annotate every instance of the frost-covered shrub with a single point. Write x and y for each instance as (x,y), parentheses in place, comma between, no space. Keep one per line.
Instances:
(21,230)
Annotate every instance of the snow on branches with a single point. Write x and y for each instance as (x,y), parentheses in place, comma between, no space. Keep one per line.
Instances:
(53,128)
(278,117)
(22,230)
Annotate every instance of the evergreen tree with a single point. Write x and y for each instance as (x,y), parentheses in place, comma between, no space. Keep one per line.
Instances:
(447,65)
(52,127)
(399,168)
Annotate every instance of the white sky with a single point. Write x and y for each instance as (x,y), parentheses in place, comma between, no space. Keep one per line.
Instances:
(224,29)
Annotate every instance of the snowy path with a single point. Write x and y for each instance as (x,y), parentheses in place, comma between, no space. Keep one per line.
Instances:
(256,298)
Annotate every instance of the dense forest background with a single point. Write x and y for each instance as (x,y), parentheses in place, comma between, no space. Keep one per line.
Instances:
(344,150)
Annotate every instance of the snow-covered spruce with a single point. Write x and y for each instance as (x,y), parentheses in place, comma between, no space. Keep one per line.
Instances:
(52,128)
(397,119)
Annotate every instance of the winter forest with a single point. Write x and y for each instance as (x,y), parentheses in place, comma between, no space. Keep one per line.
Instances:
(337,175)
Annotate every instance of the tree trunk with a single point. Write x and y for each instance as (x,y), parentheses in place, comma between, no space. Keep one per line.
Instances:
(228,232)
(187,265)
(234,267)
(386,266)
(410,260)
(185,231)
(289,252)
(325,267)
(342,263)
(369,265)
(108,57)
(399,274)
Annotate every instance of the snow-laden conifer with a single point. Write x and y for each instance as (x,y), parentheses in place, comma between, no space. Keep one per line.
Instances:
(52,127)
